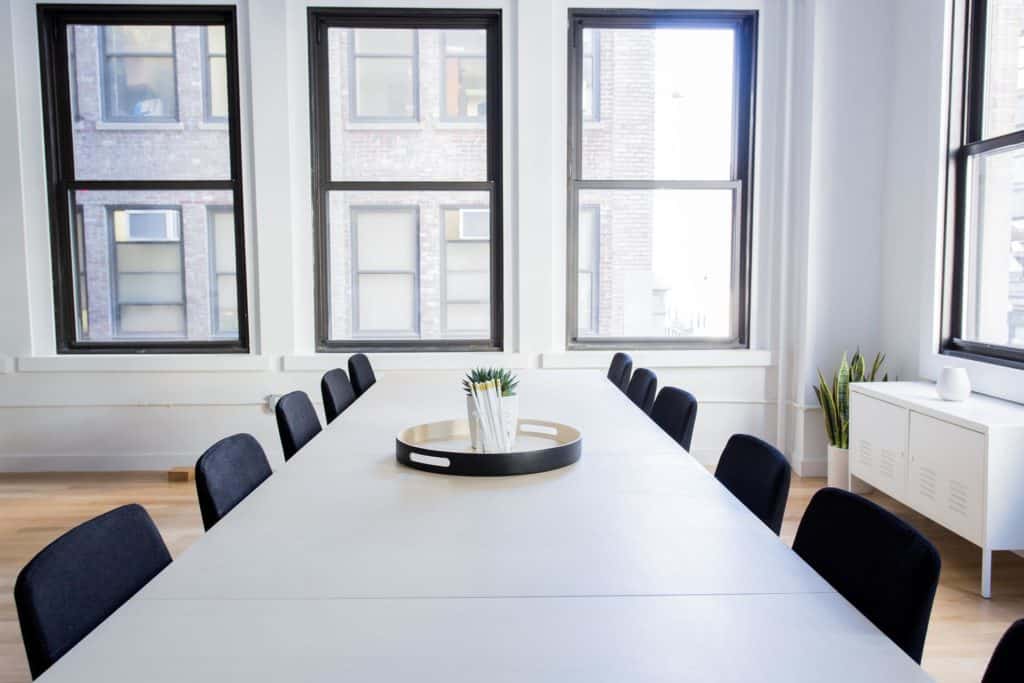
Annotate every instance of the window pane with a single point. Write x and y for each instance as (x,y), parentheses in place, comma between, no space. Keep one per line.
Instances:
(140,103)
(217,88)
(383,41)
(384,88)
(166,321)
(993,310)
(666,263)
(227,311)
(223,222)
(465,87)
(386,238)
(162,289)
(405,234)
(1004,67)
(585,294)
(387,112)
(135,39)
(154,258)
(148,288)
(668,108)
(468,320)
(387,303)
(216,43)
(140,88)
(465,42)
(468,285)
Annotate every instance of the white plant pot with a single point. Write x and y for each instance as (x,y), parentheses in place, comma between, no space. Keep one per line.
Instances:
(953,384)
(510,418)
(839,471)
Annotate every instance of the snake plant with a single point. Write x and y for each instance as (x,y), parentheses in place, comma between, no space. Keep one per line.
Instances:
(834,397)
(507,380)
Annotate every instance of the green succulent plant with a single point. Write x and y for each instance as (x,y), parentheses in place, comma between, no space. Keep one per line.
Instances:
(508,381)
(834,398)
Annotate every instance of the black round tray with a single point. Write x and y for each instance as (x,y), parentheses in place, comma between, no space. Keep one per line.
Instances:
(444,447)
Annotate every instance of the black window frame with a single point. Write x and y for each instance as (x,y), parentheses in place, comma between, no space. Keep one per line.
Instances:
(53,22)
(105,55)
(320,19)
(353,80)
(967,141)
(745,25)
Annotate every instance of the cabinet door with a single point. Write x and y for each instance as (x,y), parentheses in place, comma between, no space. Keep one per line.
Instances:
(878,444)
(946,475)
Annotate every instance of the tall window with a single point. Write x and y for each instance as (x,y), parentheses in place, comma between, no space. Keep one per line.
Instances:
(464,76)
(984,302)
(215,74)
(224,271)
(139,75)
(148,285)
(384,75)
(667,176)
(129,209)
(407,219)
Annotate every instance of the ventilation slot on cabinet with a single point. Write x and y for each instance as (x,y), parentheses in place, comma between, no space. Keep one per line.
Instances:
(958,497)
(887,464)
(926,482)
(864,453)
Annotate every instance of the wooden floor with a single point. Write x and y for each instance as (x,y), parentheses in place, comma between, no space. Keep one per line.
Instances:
(35,508)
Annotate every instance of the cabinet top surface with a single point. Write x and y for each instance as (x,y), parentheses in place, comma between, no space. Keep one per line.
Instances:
(977,412)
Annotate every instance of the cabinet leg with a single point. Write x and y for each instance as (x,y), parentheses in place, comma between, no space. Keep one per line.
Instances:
(986,573)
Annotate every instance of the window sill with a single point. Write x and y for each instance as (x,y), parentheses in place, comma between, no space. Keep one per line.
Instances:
(695,358)
(442,360)
(145,363)
(140,126)
(212,125)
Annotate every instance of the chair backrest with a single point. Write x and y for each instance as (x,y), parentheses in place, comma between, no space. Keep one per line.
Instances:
(297,422)
(758,475)
(1007,663)
(361,373)
(675,411)
(337,393)
(874,559)
(642,388)
(81,578)
(620,370)
(226,473)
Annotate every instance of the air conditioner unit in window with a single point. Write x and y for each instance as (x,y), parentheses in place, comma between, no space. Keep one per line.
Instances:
(151,225)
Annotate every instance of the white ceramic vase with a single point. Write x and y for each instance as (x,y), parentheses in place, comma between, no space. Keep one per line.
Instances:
(839,471)
(953,384)
(510,418)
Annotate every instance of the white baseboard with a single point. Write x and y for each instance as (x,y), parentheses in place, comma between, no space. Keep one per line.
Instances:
(811,467)
(151,462)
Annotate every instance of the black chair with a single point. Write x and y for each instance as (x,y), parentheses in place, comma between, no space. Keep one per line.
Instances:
(1007,663)
(361,372)
(297,422)
(675,411)
(337,392)
(81,578)
(226,473)
(620,370)
(874,559)
(758,475)
(642,388)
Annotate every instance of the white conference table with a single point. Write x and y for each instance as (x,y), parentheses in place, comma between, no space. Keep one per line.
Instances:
(632,564)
